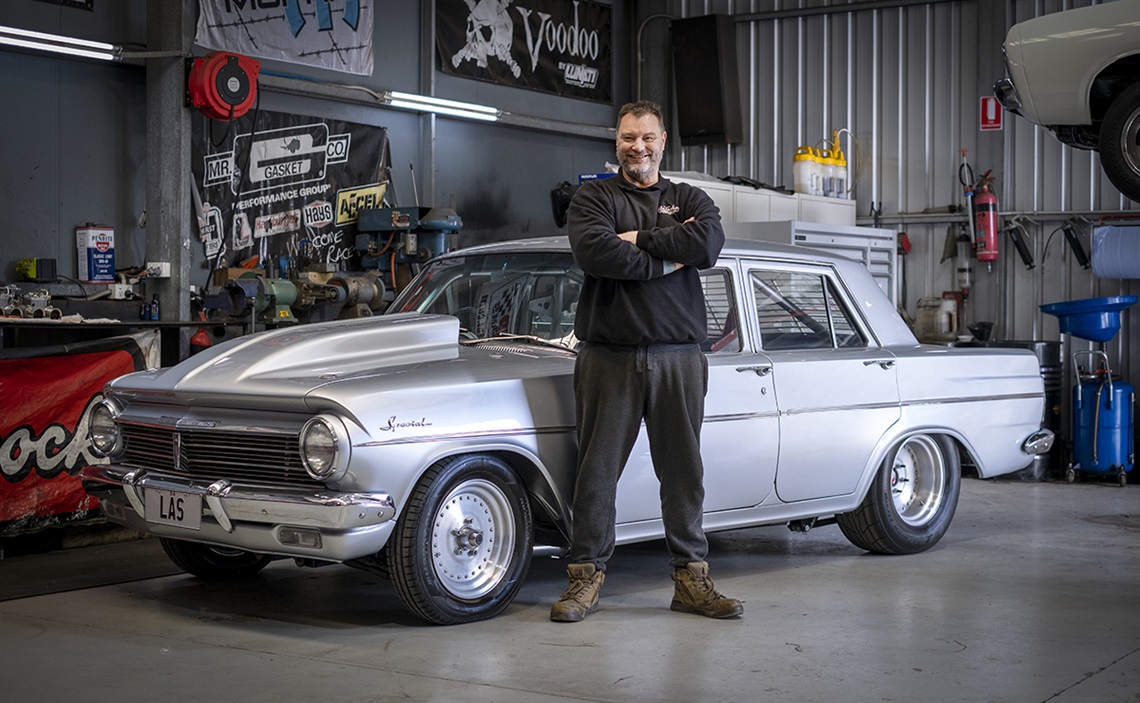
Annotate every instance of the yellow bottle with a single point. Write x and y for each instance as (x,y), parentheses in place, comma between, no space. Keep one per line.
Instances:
(840,167)
(803,166)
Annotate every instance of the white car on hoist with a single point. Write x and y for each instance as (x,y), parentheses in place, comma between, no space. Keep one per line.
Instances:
(1077,73)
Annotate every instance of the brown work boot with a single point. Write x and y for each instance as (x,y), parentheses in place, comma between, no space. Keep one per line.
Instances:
(581,597)
(694,592)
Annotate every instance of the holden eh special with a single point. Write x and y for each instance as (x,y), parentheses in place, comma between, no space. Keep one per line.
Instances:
(435,444)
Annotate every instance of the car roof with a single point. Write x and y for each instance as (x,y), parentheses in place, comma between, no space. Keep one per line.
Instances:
(732,247)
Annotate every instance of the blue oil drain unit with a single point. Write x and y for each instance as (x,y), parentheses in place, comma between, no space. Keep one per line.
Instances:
(1103,419)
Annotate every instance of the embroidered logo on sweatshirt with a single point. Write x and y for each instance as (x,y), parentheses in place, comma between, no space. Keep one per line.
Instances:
(668,209)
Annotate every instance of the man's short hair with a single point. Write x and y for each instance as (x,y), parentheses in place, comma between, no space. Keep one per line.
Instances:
(640,109)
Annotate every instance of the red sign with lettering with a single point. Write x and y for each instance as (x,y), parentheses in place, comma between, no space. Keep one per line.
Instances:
(990,117)
(45,402)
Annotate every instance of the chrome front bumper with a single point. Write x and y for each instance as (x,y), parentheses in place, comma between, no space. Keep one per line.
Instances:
(343,525)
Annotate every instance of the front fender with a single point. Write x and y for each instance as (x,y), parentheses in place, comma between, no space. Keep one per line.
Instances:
(399,466)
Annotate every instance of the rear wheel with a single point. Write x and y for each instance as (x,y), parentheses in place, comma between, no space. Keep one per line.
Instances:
(911,501)
(1119,142)
(209,562)
(462,548)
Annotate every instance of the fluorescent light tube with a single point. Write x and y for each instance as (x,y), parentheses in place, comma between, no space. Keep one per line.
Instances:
(426,103)
(71,46)
(438,109)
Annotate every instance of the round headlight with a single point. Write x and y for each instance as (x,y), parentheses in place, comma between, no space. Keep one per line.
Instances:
(324,447)
(102,430)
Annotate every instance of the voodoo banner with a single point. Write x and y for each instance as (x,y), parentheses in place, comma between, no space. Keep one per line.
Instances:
(46,396)
(555,46)
(286,191)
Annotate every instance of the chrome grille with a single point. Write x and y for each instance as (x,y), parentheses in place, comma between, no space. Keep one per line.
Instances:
(270,459)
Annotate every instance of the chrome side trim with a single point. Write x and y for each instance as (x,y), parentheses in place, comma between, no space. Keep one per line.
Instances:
(835,408)
(496,433)
(975,399)
(739,417)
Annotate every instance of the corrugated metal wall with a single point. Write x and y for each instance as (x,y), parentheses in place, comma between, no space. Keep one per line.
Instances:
(906,79)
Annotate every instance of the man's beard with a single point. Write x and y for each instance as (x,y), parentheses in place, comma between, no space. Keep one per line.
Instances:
(637,173)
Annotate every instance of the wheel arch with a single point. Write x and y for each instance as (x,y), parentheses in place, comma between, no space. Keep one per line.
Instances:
(967,455)
(549,504)
(1111,81)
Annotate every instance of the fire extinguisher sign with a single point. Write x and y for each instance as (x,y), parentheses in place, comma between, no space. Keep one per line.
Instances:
(990,114)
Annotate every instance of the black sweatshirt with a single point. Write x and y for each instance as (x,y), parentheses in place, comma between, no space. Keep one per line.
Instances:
(632,295)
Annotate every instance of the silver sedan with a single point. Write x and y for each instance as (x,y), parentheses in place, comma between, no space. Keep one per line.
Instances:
(435,444)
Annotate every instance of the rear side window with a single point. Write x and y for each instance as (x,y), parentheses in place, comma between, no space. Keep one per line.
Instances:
(720,312)
(798,310)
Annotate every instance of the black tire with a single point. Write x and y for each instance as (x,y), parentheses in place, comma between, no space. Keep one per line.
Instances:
(1119,142)
(214,563)
(462,547)
(911,500)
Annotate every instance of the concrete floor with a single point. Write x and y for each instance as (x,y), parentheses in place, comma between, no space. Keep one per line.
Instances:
(1034,595)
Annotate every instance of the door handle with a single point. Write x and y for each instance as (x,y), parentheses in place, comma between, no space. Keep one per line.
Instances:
(760,370)
(883,363)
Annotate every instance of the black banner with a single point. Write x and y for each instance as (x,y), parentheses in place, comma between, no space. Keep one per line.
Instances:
(556,46)
(288,190)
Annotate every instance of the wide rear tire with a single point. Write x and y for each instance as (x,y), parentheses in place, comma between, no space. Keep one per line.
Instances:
(912,498)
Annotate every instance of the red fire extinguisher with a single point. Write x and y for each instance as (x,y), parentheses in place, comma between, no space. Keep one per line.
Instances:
(985,224)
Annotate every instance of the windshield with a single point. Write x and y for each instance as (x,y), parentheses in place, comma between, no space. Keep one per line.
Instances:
(531,293)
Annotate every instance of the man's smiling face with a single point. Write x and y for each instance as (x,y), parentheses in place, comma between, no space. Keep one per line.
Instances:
(640,146)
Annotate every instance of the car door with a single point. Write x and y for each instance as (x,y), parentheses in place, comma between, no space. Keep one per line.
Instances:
(836,390)
(740,435)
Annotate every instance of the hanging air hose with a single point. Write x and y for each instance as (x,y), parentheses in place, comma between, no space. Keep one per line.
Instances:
(223,85)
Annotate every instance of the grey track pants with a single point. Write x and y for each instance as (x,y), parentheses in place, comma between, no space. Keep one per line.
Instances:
(615,388)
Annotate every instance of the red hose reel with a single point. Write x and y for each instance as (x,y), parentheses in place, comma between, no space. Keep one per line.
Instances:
(223,85)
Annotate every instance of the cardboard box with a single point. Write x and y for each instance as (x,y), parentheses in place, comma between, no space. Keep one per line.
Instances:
(228,274)
(315,277)
(95,248)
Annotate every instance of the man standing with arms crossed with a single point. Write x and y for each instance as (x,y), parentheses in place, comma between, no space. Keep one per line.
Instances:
(641,240)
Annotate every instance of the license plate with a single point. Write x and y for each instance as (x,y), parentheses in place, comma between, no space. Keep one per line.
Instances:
(174,508)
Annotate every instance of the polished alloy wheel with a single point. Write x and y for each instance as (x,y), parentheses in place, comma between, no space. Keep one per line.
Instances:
(918,480)
(473,539)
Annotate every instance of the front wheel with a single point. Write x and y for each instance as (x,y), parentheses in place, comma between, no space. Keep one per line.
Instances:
(209,562)
(1119,142)
(462,548)
(911,501)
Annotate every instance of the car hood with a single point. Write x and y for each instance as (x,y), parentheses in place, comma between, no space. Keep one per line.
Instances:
(328,362)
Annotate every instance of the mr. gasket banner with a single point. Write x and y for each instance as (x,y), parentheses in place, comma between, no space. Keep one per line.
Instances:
(288,187)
